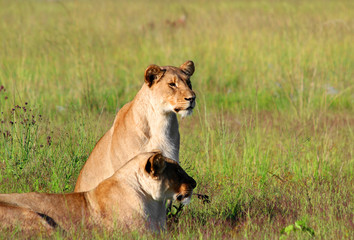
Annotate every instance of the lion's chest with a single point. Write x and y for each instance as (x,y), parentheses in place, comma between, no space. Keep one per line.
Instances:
(168,146)
(165,137)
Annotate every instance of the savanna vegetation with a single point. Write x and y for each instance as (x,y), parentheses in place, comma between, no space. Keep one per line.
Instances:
(270,141)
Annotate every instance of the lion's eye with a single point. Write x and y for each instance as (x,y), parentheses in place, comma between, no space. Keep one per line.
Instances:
(172,84)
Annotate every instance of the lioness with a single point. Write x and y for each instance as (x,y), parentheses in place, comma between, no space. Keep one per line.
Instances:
(133,197)
(146,123)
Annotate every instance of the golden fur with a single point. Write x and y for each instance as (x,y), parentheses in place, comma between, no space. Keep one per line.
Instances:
(146,123)
(28,222)
(133,197)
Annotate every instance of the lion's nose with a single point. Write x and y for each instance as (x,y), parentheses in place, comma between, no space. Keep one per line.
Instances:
(179,197)
(190,99)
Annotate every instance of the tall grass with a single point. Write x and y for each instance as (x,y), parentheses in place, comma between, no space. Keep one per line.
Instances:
(271,139)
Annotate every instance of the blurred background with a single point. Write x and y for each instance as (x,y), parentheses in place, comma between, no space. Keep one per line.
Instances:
(271,138)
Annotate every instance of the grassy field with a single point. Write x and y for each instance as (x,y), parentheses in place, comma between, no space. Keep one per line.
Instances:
(271,140)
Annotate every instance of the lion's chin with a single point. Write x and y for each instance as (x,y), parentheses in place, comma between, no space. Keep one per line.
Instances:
(185,113)
(184,198)
(186,201)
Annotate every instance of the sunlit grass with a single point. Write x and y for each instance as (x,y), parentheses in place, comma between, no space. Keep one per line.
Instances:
(271,139)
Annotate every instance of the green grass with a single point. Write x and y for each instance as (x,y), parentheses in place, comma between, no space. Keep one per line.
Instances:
(271,139)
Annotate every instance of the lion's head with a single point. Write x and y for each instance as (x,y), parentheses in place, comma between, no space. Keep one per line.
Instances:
(165,179)
(172,88)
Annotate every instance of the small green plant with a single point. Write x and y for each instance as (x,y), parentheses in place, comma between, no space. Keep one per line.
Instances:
(300,225)
(174,214)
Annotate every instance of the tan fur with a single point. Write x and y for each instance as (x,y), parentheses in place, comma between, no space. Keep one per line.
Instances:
(146,123)
(24,220)
(133,197)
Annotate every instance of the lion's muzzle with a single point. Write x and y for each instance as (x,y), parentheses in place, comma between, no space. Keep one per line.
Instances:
(186,191)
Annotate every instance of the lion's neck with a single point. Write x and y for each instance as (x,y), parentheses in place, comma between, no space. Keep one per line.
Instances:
(153,211)
(133,198)
(161,128)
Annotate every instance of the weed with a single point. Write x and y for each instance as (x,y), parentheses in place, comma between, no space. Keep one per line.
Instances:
(299,225)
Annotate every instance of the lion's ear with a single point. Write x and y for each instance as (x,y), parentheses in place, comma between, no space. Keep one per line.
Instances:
(188,68)
(155,164)
(153,73)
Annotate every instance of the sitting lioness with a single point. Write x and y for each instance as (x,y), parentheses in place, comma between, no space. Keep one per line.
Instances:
(133,197)
(146,123)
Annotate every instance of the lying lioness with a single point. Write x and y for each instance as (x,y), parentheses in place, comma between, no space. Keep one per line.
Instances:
(29,222)
(133,197)
(146,123)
